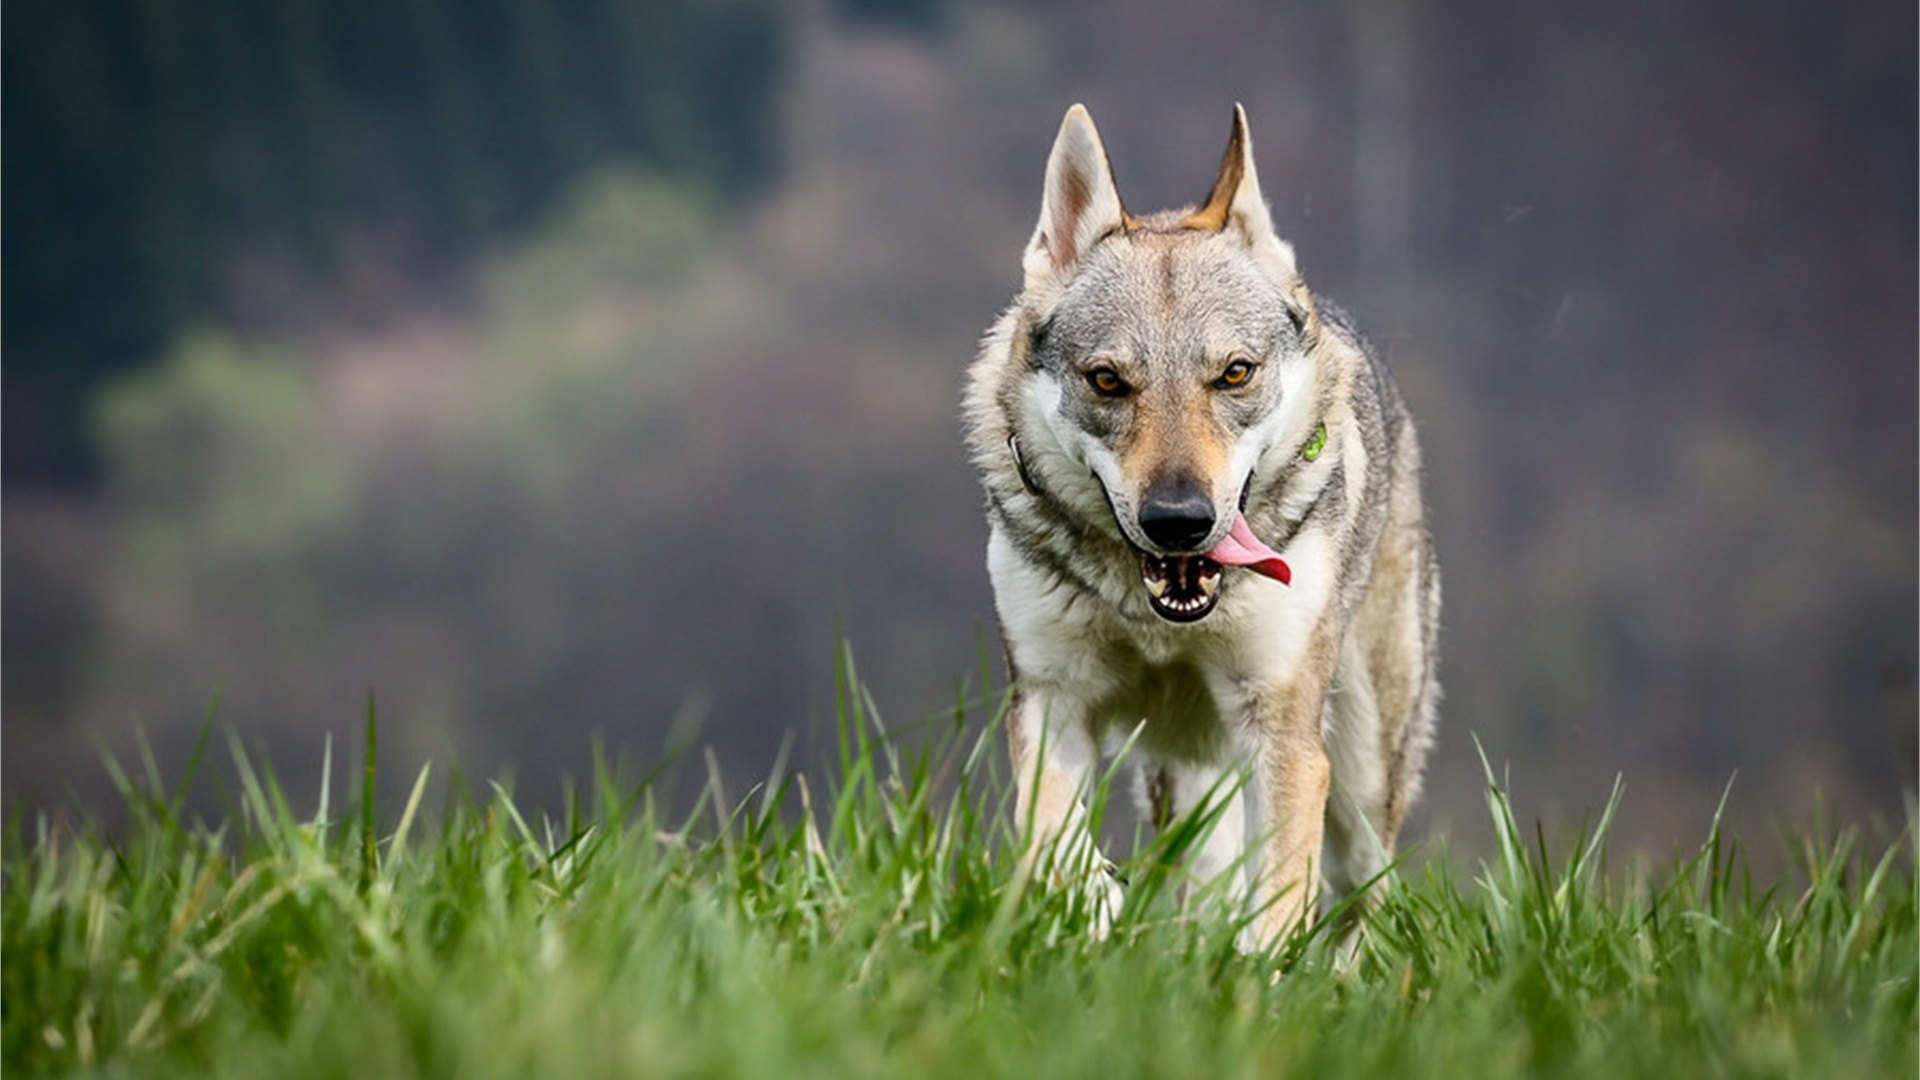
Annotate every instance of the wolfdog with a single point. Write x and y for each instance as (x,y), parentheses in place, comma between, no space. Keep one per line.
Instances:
(1208,538)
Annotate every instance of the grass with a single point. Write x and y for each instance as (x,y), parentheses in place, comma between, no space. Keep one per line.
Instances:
(873,927)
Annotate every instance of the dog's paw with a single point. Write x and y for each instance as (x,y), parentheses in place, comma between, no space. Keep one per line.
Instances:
(1106,892)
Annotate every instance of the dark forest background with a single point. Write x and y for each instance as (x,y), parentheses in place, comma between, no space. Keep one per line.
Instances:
(563,371)
(160,154)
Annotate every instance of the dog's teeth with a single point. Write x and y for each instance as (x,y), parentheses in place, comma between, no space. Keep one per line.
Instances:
(1209,581)
(1156,586)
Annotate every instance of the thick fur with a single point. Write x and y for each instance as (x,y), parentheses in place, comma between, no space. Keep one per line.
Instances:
(1307,708)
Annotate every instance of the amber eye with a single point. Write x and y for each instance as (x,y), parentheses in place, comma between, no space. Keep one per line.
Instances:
(1238,373)
(1107,382)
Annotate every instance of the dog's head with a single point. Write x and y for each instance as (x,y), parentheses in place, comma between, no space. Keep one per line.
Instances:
(1163,349)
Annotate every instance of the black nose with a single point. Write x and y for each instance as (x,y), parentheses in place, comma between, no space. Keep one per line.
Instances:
(1176,516)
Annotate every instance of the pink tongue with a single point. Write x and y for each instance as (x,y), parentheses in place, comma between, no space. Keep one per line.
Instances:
(1242,548)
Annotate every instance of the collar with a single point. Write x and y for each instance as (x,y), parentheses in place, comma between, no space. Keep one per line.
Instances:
(1020,466)
(1315,444)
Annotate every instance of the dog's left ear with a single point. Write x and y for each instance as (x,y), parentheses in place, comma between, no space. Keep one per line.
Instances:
(1235,206)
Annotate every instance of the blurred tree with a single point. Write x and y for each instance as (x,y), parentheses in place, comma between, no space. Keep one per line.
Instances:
(924,16)
(151,144)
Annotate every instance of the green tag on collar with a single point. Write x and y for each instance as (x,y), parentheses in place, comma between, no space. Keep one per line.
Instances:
(1315,444)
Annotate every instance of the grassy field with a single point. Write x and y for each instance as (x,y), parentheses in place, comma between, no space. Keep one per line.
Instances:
(885,934)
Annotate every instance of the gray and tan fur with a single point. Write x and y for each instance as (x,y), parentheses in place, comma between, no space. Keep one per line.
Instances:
(1154,375)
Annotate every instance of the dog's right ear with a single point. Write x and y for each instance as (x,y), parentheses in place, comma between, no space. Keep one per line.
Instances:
(1079,207)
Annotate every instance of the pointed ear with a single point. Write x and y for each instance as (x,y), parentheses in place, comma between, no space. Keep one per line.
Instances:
(1235,205)
(1080,205)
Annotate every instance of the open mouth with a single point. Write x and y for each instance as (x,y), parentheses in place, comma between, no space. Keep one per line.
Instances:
(1182,588)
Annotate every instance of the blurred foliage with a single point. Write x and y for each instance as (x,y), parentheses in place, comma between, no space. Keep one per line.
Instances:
(153,147)
(171,433)
(615,484)
(926,16)
(296,514)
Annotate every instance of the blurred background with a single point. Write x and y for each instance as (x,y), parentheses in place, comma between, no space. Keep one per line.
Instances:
(573,371)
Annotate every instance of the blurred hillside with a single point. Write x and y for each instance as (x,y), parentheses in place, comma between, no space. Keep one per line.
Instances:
(627,462)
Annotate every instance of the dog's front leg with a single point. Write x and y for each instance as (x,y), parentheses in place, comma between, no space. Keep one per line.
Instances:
(1294,774)
(1054,757)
